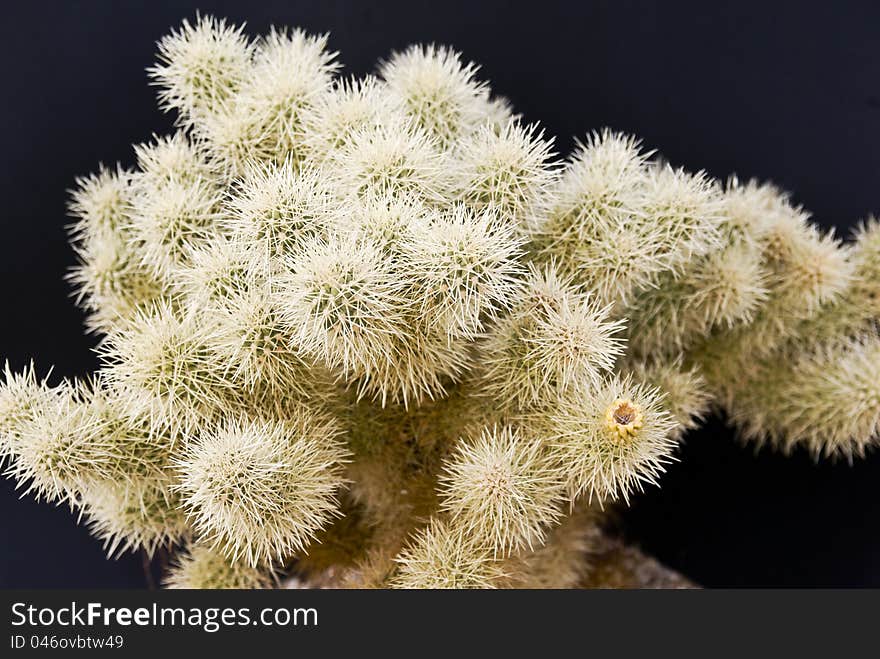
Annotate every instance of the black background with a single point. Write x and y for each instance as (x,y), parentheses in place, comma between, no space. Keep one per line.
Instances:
(787,92)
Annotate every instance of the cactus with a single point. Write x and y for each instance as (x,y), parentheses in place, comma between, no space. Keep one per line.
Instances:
(376,328)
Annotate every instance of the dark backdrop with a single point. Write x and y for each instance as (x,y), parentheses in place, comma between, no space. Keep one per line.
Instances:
(786,92)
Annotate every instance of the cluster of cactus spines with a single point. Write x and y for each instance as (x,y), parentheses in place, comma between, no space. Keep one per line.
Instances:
(200,567)
(554,339)
(617,220)
(563,561)
(819,387)
(502,486)
(611,440)
(261,489)
(374,327)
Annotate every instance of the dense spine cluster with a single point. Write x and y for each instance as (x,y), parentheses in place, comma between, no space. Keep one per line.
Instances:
(374,328)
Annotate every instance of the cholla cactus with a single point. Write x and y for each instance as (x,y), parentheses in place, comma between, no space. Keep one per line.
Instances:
(375,329)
